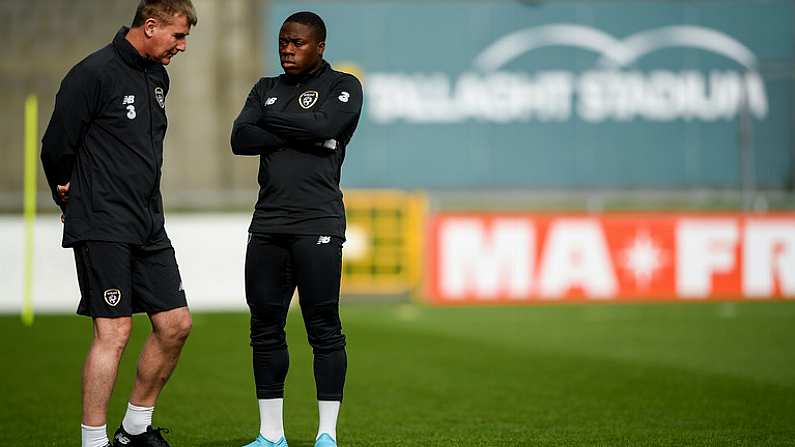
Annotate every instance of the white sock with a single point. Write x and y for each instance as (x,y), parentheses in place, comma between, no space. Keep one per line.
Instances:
(328,411)
(271,426)
(137,419)
(94,436)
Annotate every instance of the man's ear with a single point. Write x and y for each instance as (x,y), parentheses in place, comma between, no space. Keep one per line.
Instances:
(321,47)
(150,26)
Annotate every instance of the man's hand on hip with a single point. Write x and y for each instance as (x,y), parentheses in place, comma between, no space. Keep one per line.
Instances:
(63,194)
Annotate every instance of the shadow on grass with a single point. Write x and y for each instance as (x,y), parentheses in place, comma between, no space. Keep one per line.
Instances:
(236,442)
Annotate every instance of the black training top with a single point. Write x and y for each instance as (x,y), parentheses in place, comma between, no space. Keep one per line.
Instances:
(299,126)
(105,137)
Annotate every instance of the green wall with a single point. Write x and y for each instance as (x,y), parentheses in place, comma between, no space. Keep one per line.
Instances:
(567,94)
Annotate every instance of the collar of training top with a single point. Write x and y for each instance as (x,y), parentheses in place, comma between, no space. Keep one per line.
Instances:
(302,79)
(128,52)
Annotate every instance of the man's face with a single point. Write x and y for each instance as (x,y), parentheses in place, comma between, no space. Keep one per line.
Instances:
(299,49)
(166,39)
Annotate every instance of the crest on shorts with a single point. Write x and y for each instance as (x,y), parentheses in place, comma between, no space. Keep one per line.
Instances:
(160,97)
(308,98)
(112,297)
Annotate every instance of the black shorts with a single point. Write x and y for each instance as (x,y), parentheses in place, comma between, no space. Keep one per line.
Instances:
(118,279)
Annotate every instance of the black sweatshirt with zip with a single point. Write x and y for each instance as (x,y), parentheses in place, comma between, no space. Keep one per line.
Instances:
(105,138)
(300,127)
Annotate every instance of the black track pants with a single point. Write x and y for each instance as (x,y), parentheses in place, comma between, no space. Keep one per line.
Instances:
(275,266)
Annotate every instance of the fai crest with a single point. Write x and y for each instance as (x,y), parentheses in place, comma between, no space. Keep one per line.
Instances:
(308,98)
(112,297)
(161,98)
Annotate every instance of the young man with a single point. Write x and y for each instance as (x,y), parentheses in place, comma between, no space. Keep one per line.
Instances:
(102,155)
(299,124)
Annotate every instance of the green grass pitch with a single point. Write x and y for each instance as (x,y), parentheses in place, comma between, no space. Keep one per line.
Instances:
(679,374)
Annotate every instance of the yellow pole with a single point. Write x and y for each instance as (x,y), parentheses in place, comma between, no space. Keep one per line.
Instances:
(31,139)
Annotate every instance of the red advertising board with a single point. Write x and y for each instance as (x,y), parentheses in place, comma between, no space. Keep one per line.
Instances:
(523,258)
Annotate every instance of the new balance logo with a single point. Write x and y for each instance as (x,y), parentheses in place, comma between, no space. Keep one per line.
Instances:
(323,240)
(271,101)
(128,101)
(121,439)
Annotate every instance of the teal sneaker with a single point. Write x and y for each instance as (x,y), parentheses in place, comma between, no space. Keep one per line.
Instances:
(325,440)
(262,442)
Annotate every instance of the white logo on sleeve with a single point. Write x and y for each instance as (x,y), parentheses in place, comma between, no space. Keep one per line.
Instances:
(323,240)
(128,101)
(270,101)
(330,144)
(344,96)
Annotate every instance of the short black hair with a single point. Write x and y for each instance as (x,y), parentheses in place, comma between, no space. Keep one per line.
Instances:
(312,20)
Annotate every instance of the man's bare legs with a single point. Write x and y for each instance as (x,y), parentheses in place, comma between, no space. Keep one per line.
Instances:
(158,358)
(102,364)
(170,330)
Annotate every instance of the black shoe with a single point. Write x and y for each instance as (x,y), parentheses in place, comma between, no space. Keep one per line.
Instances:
(152,437)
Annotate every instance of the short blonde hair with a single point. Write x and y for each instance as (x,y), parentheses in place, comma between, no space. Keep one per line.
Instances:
(164,11)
